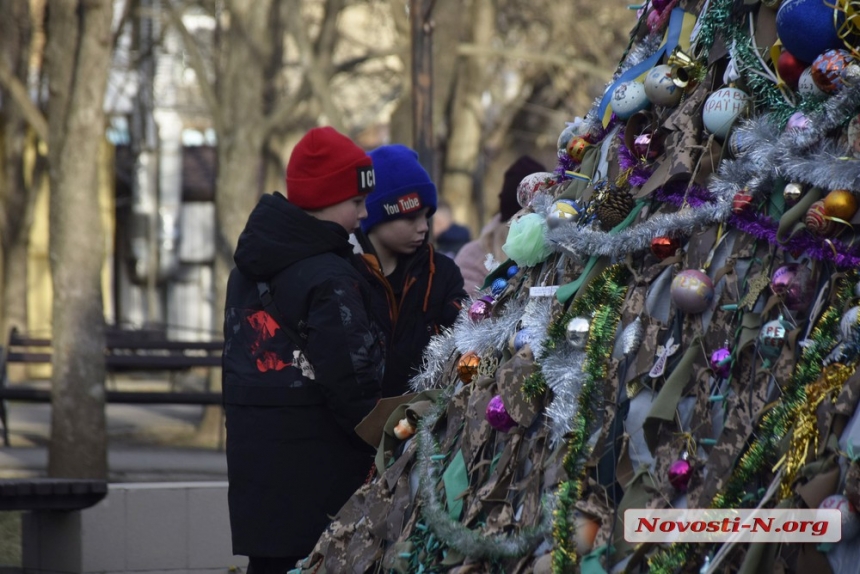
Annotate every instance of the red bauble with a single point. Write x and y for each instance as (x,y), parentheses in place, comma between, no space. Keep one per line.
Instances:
(680,473)
(741,201)
(789,69)
(817,221)
(664,247)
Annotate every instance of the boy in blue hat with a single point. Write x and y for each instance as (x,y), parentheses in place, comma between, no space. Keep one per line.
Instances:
(416,291)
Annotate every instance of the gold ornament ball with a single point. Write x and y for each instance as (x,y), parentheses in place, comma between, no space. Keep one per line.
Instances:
(840,203)
(792,193)
(467,366)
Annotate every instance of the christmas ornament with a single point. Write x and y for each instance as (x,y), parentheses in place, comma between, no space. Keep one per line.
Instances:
(720,362)
(531,185)
(647,147)
(663,354)
(738,143)
(806,85)
(577,147)
(526,243)
(663,247)
(404,429)
(771,337)
(692,291)
(792,193)
(521,339)
(850,519)
(613,205)
(631,336)
(562,211)
(659,87)
(797,121)
(467,366)
(576,332)
(489,363)
(629,98)
(840,203)
(806,28)
(684,68)
(497,415)
(793,282)
(722,108)
(585,531)
(741,201)
(480,309)
(498,286)
(565,136)
(827,70)
(680,473)
(511,271)
(790,69)
(816,220)
(851,74)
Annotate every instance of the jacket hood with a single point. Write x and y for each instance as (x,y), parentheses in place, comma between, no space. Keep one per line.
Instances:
(279,234)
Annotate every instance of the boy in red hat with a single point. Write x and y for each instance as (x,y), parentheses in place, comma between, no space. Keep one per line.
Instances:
(303,361)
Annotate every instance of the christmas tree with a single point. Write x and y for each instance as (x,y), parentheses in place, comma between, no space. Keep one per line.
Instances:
(677,326)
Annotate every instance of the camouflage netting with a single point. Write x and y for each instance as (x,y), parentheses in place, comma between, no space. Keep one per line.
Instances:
(691,340)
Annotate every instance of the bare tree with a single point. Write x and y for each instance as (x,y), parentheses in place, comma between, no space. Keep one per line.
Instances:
(77,62)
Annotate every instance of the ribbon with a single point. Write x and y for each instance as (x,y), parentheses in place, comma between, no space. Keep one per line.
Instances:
(677,34)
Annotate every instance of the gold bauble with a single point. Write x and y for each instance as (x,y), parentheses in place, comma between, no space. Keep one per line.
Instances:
(840,203)
(467,366)
(792,193)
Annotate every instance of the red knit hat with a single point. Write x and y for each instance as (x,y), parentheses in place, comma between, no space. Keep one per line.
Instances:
(325,168)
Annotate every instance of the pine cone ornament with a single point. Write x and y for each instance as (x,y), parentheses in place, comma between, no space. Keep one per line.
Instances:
(614,207)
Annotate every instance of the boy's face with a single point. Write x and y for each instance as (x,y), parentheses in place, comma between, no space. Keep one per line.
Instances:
(346,213)
(403,235)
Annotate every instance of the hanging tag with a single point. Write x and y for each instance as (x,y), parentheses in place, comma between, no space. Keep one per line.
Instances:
(547,291)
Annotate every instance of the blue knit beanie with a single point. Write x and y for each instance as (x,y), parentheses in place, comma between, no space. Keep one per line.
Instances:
(402,186)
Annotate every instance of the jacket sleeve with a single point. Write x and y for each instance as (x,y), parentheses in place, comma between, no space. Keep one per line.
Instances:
(345,350)
(455,294)
(470,260)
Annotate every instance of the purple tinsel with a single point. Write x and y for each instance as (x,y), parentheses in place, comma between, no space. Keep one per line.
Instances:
(674,191)
(627,160)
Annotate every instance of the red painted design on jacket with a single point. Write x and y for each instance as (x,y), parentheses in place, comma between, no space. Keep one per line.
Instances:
(265,326)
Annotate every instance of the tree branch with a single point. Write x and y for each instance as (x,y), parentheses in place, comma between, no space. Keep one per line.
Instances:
(195,58)
(543,58)
(29,110)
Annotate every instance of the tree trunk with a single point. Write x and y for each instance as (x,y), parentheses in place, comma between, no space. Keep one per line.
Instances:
(78,58)
(467,119)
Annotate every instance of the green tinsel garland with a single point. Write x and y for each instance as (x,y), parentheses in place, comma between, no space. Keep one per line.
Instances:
(774,425)
(605,295)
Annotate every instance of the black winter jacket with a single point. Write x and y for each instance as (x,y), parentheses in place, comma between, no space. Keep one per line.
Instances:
(293,457)
(427,299)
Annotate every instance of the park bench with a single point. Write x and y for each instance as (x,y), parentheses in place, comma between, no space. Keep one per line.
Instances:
(50,493)
(125,351)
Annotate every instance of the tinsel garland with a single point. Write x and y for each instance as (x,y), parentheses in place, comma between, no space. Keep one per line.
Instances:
(774,425)
(472,543)
(603,298)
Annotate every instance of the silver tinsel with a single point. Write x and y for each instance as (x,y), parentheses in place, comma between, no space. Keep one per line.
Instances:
(436,355)
(562,370)
(631,337)
(492,332)
(536,318)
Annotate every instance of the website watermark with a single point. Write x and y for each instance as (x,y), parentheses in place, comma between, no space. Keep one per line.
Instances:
(789,525)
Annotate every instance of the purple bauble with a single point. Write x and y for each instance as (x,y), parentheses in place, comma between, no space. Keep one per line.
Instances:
(793,282)
(644,146)
(692,291)
(480,310)
(679,474)
(497,415)
(720,368)
(798,121)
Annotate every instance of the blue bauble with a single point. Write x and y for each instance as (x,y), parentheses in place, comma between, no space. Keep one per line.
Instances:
(806,28)
(512,270)
(521,339)
(498,286)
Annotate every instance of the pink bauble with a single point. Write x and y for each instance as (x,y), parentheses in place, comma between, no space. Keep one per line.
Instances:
(497,415)
(850,518)
(480,309)
(680,474)
(793,282)
(645,146)
(720,364)
(692,291)
(798,121)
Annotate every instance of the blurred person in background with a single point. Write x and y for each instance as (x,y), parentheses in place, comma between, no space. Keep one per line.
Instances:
(417,291)
(448,236)
(472,256)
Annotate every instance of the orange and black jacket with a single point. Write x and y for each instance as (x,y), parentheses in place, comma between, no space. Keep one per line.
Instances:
(427,297)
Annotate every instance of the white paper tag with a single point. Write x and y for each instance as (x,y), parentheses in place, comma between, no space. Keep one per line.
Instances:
(547,291)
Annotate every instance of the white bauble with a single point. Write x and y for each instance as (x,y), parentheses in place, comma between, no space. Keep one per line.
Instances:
(806,85)
(721,110)
(629,98)
(659,86)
